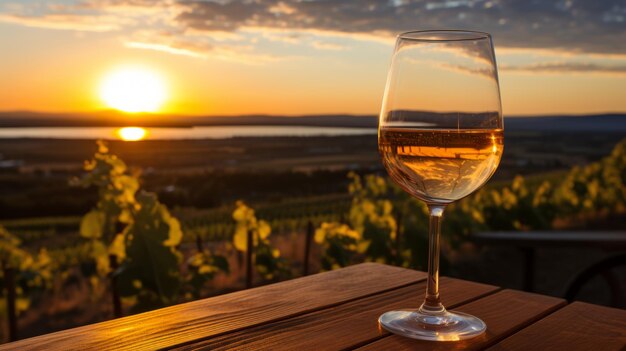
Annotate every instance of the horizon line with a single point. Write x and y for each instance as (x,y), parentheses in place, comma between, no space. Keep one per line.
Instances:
(342,114)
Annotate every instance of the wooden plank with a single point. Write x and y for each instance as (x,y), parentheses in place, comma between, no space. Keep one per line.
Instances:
(504,313)
(341,327)
(201,319)
(579,326)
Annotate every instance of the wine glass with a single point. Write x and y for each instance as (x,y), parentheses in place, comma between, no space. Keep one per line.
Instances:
(440,137)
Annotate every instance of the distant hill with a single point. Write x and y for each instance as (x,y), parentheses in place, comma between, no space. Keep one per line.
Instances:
(592,123)
(119,119)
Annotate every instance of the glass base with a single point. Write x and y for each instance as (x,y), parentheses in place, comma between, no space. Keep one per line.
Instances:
(447,326)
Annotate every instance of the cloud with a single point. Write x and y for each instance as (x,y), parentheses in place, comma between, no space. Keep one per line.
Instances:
(281,36)
(591,27)
(65,22)
(243,54)
(92,15)
(165,48)
(327,46)
(597,26)
(565,67)
(486,72)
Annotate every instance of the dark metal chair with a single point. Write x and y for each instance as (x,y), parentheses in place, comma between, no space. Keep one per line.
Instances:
(605,269)
(527,242)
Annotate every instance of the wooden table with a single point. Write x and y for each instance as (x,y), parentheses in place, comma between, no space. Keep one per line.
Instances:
(339,310)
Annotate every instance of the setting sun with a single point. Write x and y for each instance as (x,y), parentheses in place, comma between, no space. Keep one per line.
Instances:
(133,89)
(131,133)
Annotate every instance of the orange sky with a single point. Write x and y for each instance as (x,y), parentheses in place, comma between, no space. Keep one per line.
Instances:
(55,59)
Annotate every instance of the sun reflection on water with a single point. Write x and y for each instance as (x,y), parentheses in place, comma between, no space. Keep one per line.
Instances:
(131,133)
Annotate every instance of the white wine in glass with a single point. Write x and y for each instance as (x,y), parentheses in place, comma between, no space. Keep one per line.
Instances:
(441,138)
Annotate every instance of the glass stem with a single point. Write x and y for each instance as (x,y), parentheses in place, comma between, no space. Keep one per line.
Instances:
(432,303)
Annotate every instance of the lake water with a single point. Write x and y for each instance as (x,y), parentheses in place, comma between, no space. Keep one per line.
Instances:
(213,132)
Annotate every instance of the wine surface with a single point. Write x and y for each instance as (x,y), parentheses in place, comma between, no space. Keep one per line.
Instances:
(440,166)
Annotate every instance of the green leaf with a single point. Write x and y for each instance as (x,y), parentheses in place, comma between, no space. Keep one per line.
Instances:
(240,239)
(117,247)
(148,260)
(92,224)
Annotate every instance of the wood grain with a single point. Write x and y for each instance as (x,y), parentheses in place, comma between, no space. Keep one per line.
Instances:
(579,326)
(504,313)
(339,327)
(201,319)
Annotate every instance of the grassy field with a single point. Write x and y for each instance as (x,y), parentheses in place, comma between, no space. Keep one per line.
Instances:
(214,173)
